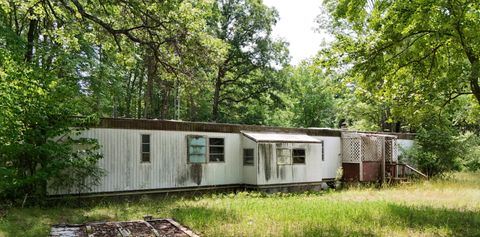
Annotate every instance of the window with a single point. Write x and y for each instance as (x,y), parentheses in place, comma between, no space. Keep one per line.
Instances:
(284,155)
(298,156)
(216,149)
(248,157)
(196,149)
(323,151)
(145,148)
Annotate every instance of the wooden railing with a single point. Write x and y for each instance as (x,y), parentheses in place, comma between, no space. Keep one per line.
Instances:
(406,166)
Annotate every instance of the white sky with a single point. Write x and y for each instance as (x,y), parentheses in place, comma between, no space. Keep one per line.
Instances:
(296,25)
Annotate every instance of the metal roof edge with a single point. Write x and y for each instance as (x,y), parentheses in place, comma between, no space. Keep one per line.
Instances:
(175,125)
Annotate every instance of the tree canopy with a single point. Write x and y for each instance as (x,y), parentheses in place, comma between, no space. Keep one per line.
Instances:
(393,66)
(408,53)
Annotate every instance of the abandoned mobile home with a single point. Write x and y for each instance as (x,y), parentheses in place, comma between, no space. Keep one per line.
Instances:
(147,156)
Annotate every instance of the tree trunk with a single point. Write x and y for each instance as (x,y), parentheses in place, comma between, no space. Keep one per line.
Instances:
(139,96)
(151,66)
(166,89)
(216,95)
(32,28)
(474,74)
(130,91)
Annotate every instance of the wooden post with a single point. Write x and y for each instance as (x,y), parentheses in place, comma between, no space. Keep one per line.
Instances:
(383,160)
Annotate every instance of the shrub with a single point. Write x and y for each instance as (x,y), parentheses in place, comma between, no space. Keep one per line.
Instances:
(437,149)
(36,124)
(471,157)
(441,148)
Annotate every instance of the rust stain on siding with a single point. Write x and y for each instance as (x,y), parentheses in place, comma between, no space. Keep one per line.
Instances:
(281,172)
(196,171)
(266,152)
(182,177)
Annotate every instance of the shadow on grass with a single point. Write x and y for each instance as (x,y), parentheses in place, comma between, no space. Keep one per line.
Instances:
(458,223)
(402,220)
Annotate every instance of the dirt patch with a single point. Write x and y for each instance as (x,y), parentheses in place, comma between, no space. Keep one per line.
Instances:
(105,229)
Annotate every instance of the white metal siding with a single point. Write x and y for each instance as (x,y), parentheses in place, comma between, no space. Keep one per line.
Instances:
(168,167)
(249,171)
(269,172)
(332,157)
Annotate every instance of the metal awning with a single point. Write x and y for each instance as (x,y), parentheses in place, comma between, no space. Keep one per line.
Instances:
(273,137)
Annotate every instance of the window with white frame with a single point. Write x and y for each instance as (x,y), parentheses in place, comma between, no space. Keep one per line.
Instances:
(216,149)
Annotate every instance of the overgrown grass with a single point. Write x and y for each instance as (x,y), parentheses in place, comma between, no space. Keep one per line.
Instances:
(448,207)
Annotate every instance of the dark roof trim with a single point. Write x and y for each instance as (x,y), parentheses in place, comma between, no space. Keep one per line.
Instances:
(169,125)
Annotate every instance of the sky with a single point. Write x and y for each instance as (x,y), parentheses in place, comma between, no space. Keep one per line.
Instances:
(296,26)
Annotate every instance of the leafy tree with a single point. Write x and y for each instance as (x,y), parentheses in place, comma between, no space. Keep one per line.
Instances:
(40,95)
(312,97)
(408,53)
(252,57)
(35,113)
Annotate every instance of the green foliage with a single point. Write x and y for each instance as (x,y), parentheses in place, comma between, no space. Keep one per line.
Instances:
(35,112)
(440,148)
(250,68)
(312,97)
(415,57)
(471,157)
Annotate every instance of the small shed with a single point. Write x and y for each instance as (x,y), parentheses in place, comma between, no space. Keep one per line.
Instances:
(369,157)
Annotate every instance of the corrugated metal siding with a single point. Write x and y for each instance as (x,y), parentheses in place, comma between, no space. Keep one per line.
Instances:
(168,167)
(249,171)
(269,172)
(332,156)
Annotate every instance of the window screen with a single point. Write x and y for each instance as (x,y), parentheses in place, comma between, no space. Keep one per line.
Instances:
(284,156)
(197,149)
(248,157)
(145,148)
(216,149)
(298,156)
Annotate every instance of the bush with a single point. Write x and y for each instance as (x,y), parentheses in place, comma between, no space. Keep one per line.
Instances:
(436,150)
(36,122)
(471,157)
(440,148)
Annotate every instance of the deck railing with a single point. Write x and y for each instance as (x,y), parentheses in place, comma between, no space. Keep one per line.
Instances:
(406,166)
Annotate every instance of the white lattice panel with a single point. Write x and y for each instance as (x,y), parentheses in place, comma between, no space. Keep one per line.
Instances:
(359,147)
(351,150)
(372,148)
(391,150)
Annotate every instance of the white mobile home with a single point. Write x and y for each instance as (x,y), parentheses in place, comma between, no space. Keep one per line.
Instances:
(160,156)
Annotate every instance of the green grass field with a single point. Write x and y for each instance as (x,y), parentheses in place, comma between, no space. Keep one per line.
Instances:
(431,208)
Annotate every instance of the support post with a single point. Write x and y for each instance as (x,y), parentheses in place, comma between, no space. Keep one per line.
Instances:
(383,160)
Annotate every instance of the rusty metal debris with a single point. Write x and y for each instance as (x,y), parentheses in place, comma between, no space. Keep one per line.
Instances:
(148,228)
